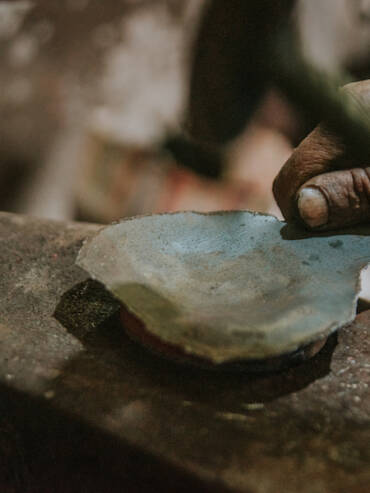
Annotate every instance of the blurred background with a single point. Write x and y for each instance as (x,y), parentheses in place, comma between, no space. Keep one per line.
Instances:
(124,107)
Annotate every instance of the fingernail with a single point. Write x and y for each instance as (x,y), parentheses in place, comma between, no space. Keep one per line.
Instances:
(313,207)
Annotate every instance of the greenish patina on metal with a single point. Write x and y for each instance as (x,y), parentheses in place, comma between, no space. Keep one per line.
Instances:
(230,286)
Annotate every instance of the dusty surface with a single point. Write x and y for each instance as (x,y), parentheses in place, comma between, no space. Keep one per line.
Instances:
(69,374)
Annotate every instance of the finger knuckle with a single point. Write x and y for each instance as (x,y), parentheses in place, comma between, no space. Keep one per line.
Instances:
(359,192)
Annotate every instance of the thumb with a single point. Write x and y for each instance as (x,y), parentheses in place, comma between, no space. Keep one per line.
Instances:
(336,199)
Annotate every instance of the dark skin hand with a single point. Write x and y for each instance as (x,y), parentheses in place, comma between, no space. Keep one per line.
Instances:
(321,183)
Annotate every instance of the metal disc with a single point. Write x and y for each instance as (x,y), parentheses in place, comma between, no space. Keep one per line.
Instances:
(230,286)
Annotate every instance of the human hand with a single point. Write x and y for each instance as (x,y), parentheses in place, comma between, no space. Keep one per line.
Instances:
(321,183)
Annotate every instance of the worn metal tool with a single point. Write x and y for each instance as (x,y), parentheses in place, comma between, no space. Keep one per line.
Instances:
(229,287)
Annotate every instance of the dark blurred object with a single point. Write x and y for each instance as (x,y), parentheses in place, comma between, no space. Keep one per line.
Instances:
(196,156)
(12,171)
(244,47)
(232,64)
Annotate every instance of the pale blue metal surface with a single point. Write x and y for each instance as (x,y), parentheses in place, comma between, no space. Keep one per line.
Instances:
(230,286)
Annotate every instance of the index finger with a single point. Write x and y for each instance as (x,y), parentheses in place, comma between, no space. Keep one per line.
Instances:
(320,152)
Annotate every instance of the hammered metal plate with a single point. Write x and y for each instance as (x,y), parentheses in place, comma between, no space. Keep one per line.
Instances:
(230,286)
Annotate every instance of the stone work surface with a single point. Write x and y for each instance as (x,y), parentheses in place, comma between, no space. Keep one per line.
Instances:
(80,400)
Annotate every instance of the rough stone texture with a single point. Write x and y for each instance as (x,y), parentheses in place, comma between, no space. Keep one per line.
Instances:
(73,381)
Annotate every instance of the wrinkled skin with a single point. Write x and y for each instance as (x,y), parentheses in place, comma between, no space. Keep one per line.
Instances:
(321,183)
